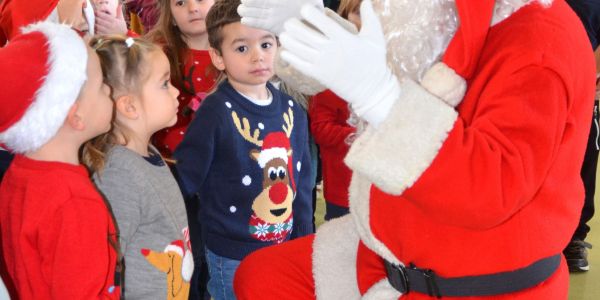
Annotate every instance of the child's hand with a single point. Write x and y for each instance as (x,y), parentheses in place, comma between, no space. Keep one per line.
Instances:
(107,23)
(271,14)
(353,66)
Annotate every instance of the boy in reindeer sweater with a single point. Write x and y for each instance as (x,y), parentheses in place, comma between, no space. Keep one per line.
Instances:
(246,153)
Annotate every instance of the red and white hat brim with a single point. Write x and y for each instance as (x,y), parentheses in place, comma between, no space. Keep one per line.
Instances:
(60,88)
(267,155)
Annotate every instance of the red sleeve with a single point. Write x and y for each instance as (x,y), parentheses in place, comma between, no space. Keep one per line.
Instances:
(490,167)
(78,260)
(326,126)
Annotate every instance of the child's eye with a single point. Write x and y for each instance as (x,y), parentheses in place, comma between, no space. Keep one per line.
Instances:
(165,84)
(242,49)
(179,3)
(266,45)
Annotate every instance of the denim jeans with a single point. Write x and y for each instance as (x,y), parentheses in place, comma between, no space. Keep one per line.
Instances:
(221,270)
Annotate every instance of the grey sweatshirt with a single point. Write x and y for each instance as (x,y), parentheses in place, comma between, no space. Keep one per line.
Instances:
(152,220)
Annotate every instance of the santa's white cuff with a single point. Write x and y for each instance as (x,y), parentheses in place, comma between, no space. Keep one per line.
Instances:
(445,83)
(394,155)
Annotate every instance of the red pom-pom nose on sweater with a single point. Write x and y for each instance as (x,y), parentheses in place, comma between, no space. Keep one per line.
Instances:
(278,193)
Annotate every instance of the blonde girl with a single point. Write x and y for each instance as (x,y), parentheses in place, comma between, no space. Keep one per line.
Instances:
(132,175)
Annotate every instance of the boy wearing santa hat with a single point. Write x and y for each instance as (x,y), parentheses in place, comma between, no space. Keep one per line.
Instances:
(15,14)
(58,236)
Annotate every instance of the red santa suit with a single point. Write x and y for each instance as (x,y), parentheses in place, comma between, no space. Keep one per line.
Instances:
(468,191)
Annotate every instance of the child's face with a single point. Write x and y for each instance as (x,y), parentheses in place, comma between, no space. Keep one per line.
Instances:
(95,106)
(246,56)
(189,15)
(158,96)
(107,6)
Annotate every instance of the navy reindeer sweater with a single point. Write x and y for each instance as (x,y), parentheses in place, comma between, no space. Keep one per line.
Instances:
(249,166)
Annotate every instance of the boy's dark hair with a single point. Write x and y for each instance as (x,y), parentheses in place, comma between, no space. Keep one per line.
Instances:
(222,13)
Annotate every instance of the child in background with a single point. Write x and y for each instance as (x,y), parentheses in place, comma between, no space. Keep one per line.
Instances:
(329,116)
(58,235)
(181,30)
(132,175)
(245,153)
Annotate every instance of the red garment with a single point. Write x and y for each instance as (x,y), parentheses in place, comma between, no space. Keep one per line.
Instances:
(197,82)
(503,191)
(55,232)
(329,125)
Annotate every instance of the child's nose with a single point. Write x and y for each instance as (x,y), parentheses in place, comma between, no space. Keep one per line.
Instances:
(193,6)
(257,56)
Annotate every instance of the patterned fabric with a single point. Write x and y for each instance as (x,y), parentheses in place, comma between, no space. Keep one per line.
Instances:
(267,232)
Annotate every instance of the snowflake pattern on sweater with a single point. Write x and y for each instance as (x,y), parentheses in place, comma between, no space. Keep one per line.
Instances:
(270,232)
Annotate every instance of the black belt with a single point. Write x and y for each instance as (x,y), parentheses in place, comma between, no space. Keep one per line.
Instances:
(405,279)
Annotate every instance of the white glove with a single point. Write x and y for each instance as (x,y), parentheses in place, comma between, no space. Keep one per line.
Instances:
(352,65)
(271,14)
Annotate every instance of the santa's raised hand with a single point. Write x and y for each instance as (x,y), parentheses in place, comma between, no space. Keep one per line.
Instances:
(271,14)
(351,65)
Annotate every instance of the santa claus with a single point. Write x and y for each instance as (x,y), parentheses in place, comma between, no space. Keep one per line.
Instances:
(466,182)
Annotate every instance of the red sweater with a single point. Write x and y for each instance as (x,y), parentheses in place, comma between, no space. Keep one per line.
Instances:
(197,82)
(328,123)
(55,231)
(504,190)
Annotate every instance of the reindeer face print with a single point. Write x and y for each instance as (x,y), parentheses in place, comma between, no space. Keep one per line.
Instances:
(272,218)
(274,203)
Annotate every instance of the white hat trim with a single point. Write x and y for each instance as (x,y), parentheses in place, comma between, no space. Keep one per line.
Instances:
(60,88)
(270,154)
(174,248)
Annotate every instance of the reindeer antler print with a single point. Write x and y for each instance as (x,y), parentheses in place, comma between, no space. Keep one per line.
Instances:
(289,122)
(245,130)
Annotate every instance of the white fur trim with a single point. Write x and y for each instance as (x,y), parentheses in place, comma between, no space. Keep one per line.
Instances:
(394,155)
(174,248)
(443,82)
(67,73)
(90,17)
(334,260)
(382,290)
(187,266)
(272,153)
(360,193)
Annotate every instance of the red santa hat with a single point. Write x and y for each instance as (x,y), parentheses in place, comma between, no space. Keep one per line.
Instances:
(187,263)
(15,14)
(43,71)
(277,145)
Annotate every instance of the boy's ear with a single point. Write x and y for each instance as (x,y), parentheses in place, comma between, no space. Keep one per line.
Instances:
(216,58)
(126,106)
(74,120)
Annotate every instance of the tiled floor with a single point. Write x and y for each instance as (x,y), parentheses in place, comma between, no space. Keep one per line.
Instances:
(586,286)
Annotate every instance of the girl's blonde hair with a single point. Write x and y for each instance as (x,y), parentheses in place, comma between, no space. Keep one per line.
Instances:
(348,6)
(124,62)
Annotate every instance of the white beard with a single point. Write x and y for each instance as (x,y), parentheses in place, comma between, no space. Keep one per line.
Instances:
(418,32)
